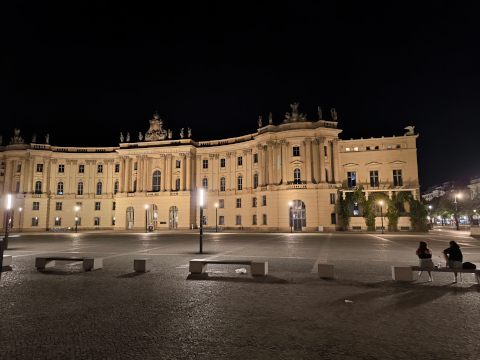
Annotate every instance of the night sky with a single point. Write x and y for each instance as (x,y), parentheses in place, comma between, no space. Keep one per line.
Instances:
(83,72)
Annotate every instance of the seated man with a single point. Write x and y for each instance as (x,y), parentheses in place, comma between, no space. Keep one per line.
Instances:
(453,257)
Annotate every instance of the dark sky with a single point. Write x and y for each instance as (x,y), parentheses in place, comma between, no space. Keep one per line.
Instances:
(83,72)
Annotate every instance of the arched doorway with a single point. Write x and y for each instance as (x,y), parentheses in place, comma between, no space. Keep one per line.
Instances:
(173,217)
(152,214)
(298,217)
(130,218)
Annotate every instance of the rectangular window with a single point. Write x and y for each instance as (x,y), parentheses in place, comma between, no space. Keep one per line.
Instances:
(58,221)
(254,202)
(221,203)
(239,220)
(332,199)
(264,219)
(352,179)
(113,221)
(333,219)
(221,220)
(205,164)
(114,205)
(222,163)
(79,221)
(19,167)
(97,205)
(374,178)
(58,206)
(39,167)
(325,150)
(254,221)
(239,203)
(117,168)
(255,158)
(97,221)
(397,178)
(81,169)
(35,221)
(100,169)
(61,168)
(79,205)
(177,164)
(36,205)
(264,200)
(135,166)
(296,151)
(240,161)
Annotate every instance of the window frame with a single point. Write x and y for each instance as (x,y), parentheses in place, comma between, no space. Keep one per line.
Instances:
(296,151)
(205,164)
(99,188)
(100,169)
(61,168)
(351,179)
(240,182)
(238,203)
(98,205)
(81,169)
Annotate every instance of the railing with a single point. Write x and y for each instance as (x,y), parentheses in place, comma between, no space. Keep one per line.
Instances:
(297,186)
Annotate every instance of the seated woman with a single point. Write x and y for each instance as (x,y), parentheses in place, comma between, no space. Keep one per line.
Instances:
(453,257)
(425,258)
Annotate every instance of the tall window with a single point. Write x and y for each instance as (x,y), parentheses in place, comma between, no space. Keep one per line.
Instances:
(255,181)
(80,188)
(222,163)
(255,158)
(333,219)
(99,188)
(39,167)
(254,202)
(177,184)
(325,150)
(221,220)
(60,188)
(254,221)
(374,178)
(35,221)
(205,164)
(264,200)
(332,199)
(36,205)
(61,168)
(117,168)
(397,178)
(17,187)
(205,184)
(352,179)
(116,187)
(326,175)
(135,166)
(100,169)
(38,187)
(177,164)
(240,161)
(81,169)
(156,181)
(221,203)
(222,184)
(239,203)
(296,151)
(296,176)
(239,220)
(58,221)
(97,221)
(114,206)
(240,182)
(19,167)
(135,185)
(264,219)
(97,205)
(113,221)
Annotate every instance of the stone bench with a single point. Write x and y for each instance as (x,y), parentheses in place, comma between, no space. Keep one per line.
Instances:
(7,262)
(257,268)
(405,273)
(326,271)
(88,263)
(142,265)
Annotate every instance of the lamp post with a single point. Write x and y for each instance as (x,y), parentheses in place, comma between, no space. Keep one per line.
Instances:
(290,218)
(7,219)
(20,220)
(216,217)
(381,213)
(430,208)
(456,211)
(201,221)
(146,218)
(76,219)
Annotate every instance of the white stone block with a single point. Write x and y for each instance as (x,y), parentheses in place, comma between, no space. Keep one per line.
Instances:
(142,265)
(326,271)
(402,273)
(92,264)
(42,263)
(7,260)
(320,228)
(259,268)
(197,266)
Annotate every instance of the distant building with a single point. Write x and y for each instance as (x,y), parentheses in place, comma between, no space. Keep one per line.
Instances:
(435,191)
(474,188)
(286,175)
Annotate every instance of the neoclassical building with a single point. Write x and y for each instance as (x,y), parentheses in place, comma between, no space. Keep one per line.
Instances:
(283,177)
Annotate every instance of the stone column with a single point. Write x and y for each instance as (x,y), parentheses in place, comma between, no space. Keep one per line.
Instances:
(270,162)
(145,172)
(261,166)
(110,183)
(46,175)
(315,161)
(23,172)
(212,171)
(168,185)
(126,173)
(321,149)
(198,172)
(31,175)
(247,165)
(188,173)
(228,180)
(164,172)
(8,176)
(182,171)
(308,159)
(284,151)
(335,167)
(139,173)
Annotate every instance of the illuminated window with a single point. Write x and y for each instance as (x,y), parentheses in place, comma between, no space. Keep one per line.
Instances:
(60,188)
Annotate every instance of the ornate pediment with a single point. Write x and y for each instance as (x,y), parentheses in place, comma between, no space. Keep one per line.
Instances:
(397,163)
(155,132)
(350,165)
(296,162)
(373,163)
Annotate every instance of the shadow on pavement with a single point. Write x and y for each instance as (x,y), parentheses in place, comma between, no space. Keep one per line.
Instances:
(268,279)
(130,275)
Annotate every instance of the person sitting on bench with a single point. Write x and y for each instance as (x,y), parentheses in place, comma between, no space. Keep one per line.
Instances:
(453,257)
(425,258)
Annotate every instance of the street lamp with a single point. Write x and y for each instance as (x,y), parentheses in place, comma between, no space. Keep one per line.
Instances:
(146,218)
(201,221)
(7,219)
(381,213)
(290,218)
(76,219)
(20,220)
(456,216)
(216,217)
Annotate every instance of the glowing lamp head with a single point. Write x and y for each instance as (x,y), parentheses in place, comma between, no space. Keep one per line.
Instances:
(76,208)
(146,207)
(459,196)
(9,201)
(290,204)
(430,207)
(201,197)
(216,205)
(381,202)
(20,209)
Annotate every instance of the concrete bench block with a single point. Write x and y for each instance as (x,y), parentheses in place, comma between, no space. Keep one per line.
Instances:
(402,273)
(326,271)
(197,266)
(142,265)
(7,260)
(43,263)
(92,264)
(259,268)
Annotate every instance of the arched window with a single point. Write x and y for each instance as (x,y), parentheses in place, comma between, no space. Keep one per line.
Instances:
(99,188)
(296,176)
(17,188)
(135,185)
(177,184)
(116,187)
(255,181)
(205,184)
(240,182)
(38,187)
(60,188)
(157,179)
(80,188)
(222,184)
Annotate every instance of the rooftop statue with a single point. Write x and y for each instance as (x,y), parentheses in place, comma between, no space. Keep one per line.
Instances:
(270,119)
(128,137)
(189,133)
(287,117)
(181,134)
(410,130)
(155,132)
(169,133)
(17,139)
(140,136)
(34,138)
(122,139)
(294,107)
(334,114)
(320,116)
(259,121)
(47,139)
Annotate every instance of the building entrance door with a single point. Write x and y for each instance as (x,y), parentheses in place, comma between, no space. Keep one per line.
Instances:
(298,217)
(173,217)
(130,218)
